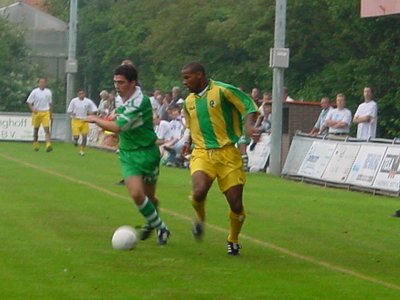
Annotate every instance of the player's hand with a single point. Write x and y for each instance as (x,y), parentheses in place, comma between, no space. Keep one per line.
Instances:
(185,149)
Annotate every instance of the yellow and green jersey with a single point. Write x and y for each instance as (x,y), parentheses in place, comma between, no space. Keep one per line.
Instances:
(215,117)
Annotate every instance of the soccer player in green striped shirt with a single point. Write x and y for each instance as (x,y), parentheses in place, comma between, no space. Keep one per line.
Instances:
(139,154)
(214,114)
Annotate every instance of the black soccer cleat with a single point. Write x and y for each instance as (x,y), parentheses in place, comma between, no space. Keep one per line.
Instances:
(49,149)
(198,230)
(145,232)
(162,236)
(233,248)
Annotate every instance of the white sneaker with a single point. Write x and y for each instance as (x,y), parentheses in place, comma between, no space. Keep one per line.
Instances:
(82,153)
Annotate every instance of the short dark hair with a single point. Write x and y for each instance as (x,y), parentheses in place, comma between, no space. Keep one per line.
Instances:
(369,87)
(195,67)
(129,71)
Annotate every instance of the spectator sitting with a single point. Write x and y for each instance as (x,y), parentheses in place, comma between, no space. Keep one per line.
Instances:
(286,97)
(177,96)
(256,96)
(263,123)
(106,105)
(175,143)
(155,104)
(267,99)
(162,130)
(163,110)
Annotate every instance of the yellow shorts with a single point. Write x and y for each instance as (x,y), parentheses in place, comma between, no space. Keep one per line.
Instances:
(225,164)
(41,118)
(79,127)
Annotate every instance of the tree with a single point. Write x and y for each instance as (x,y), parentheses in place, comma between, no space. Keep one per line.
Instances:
(17,74)
(332,49)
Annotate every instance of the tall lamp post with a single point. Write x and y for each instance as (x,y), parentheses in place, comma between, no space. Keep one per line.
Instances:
(71,67)
(279,60)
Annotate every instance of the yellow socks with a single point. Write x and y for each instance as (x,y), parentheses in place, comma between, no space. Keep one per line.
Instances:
(236,223)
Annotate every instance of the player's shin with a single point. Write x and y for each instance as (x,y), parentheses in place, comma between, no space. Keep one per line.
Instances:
(236,223)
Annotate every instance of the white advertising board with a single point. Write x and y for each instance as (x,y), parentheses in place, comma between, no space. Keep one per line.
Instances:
(366,165)
(340,164)
(388,176)
(297,152)
(258,157)
(317,159)
(17,128)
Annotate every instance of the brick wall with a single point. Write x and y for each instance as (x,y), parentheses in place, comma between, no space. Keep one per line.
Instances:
(297,116)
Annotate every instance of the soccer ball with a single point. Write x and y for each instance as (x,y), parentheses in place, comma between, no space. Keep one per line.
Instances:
(124,238)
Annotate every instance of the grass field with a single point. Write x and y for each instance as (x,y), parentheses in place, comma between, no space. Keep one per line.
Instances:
(58,211)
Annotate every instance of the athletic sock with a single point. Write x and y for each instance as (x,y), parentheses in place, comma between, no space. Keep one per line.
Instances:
(35,145)
(245,160)
(148,210)
(236,223)
(199,208)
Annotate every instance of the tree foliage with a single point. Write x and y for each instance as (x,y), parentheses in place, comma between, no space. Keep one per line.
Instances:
(16,73)
(332,49)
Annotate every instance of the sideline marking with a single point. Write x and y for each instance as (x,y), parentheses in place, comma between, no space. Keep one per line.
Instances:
(271,246)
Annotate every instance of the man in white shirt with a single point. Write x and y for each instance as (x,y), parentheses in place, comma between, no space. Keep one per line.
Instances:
(366,116)
(79,108)
(339,119)
(155,104)
(40,102)
(162,130)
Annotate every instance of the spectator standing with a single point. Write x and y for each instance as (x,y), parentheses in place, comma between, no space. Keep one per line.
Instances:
(214,112)
(79,108)
(366,116)
(139,154)
(326,107)
(338,120)
(40,102)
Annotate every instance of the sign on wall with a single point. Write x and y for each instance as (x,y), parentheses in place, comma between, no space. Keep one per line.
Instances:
(317,159)
(18,128)
(258,157)
(388,176)
(366,165)
(341,162)
(297,152)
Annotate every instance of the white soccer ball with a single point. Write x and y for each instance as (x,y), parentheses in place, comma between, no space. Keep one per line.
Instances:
(124,238)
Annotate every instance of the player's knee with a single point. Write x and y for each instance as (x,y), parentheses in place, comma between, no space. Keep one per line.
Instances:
(236,206)
(199,195)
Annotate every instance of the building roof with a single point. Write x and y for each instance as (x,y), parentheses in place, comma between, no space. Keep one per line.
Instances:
(32,18)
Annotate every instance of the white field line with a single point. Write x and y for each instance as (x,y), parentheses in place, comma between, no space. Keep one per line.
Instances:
(264,244)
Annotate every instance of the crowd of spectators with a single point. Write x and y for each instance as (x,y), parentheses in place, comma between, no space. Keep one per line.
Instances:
(169,122)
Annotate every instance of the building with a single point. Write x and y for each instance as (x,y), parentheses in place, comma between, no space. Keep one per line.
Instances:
(45,35)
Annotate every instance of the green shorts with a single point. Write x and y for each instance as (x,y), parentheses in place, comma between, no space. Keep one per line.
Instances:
(143,162)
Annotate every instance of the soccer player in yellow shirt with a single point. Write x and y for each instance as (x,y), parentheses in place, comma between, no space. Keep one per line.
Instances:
(214,113)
